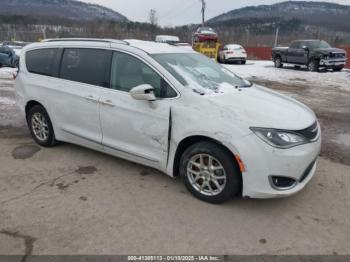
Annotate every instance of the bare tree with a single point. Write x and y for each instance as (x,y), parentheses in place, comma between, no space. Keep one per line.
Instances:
(153,17)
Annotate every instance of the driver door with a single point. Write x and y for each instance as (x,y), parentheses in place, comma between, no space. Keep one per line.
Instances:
(135,129)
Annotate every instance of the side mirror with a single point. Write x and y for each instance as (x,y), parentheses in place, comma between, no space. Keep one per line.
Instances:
(304,47)
(143,92)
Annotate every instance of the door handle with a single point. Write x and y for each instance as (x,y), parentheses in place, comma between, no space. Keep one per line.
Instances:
(91,99)
(107,103)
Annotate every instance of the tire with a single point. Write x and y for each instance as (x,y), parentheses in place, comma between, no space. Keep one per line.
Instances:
(338,69)
(219,60)
(16,65)
(313,66)
(223,60)
(44,134)
(278,62)
(201,181)
(244,62)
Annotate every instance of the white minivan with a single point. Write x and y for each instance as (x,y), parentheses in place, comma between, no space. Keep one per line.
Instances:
(171,109)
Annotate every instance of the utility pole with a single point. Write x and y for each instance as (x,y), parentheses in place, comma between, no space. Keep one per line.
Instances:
(203,11)
(276,37)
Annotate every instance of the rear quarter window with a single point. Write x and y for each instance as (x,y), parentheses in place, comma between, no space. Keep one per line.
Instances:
(85,65)
(43,61)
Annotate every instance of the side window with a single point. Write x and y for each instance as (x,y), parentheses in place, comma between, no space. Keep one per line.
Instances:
(43,61)
(303,44)
(85,65)
(294,45)
(128,72)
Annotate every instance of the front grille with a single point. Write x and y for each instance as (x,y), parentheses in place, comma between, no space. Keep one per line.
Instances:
(310,132)
(337,55)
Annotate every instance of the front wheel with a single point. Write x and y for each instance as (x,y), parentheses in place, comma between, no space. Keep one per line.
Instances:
(40,126)
(210,173)
(338,68)
(313,66)
(278,62)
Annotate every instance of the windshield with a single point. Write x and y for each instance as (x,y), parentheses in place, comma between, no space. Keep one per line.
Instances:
(199,72)
(318,44)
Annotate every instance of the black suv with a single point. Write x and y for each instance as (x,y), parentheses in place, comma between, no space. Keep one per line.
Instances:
(314,54)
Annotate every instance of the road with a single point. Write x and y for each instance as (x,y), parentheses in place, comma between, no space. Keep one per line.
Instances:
(72,200)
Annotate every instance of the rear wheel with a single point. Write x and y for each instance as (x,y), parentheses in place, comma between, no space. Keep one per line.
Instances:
(223,60)
(313,66)
(40,126)
(244,62)
(210,173)
(278,62)
(219,59)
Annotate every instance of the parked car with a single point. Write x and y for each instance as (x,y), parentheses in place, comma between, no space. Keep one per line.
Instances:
(15,45)
(314,54)
(171,109)
(169,39)
(232,53)
(8,57)
(204,34)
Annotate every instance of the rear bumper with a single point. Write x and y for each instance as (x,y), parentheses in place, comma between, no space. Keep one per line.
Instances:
(236,58)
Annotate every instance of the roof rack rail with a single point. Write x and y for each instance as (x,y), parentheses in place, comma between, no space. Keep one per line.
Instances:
(102,40)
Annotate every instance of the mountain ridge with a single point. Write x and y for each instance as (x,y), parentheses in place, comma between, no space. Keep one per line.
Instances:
(67,9)
(327,14)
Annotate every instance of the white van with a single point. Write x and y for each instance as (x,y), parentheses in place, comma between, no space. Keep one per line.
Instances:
(172,109)
(170,39)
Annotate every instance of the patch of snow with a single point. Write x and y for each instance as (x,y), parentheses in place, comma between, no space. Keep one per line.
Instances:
(7,101)
(7,72)
(289,75)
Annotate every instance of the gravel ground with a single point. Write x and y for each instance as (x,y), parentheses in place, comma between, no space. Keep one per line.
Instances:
(71,200)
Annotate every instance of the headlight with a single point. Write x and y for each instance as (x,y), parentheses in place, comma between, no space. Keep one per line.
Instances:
(279,138)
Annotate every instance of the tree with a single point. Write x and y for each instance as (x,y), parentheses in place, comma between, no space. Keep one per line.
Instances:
(153,17)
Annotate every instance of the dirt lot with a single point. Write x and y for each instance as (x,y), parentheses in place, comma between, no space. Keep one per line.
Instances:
(71,200)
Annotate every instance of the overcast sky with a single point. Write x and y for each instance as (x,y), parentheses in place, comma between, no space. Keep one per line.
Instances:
(180,12)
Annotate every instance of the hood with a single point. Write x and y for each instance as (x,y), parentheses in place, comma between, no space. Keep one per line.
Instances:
(261,107)
(329,50)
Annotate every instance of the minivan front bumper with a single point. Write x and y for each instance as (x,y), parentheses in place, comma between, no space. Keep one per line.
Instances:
(263,162)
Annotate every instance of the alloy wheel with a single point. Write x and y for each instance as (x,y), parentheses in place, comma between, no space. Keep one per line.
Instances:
(40,126)
(206,174)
